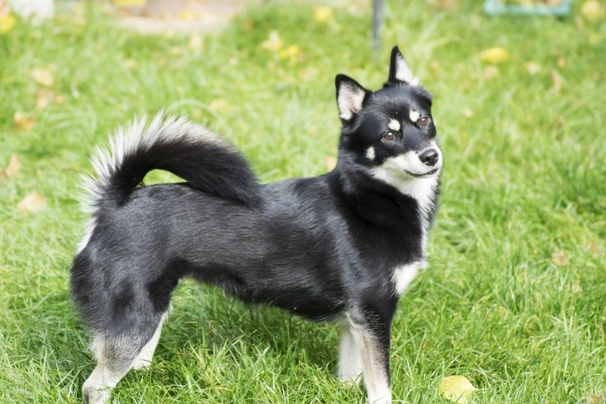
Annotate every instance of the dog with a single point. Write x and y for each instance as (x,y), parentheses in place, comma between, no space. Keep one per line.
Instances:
(340,247)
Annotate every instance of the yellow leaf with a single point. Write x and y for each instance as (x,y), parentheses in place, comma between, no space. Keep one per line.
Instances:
(32,203)
(44,98)
(560,259)
(129,3)
(491,72)
(130,63)
(456,389)
(23,121)
(323,14)
(273,43)
(494,55)
(7,23)
(195,43)
(186,14)
(292,52)
(219,106)
(592,10)
(13,166)
(594,249)
(533,68)
(557,81)
(595,38)
(42,76)
(11,169)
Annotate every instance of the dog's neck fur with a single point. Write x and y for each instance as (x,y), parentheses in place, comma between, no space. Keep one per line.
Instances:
(376,201)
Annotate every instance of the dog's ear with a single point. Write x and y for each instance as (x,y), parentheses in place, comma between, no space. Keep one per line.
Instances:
(399,70)
(350,96)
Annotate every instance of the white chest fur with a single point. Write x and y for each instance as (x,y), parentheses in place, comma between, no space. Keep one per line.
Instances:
(404,274)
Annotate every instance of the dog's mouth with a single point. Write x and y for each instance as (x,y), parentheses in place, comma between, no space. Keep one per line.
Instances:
(422,175)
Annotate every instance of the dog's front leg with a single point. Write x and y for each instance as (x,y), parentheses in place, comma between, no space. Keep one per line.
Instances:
(371,331)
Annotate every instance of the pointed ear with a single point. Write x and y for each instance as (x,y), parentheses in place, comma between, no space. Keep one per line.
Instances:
(350,96)
(399,70)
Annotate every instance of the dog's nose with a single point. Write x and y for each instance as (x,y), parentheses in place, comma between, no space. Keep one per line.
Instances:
(429,157)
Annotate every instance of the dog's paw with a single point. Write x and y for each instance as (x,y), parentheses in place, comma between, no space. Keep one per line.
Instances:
(93,396)
(350,378)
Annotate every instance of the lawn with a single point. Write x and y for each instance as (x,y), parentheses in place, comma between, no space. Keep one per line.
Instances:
(514,298)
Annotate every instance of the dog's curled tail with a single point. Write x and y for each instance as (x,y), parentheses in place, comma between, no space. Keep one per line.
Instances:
(202,158)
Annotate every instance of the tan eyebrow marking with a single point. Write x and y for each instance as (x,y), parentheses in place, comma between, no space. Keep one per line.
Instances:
(394,125)
(414,115)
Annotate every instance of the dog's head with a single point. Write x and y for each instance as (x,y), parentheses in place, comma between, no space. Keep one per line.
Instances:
(390,132)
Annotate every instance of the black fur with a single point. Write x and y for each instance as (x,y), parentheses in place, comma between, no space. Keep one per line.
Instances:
(319,247)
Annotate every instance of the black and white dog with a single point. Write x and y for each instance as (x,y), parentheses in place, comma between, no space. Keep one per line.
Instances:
(342,246)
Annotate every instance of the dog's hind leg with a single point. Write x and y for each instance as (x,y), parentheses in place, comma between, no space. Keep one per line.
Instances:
(115,357)
(144,358)
(117,353)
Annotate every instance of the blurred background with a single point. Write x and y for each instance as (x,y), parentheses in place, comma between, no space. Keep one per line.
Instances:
(515,295)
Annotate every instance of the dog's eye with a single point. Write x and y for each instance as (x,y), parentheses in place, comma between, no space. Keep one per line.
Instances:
(424,121)
(389,136)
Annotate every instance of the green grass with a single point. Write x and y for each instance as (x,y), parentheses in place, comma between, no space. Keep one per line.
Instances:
(524,178)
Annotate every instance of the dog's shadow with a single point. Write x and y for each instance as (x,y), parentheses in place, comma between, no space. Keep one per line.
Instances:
(203,317)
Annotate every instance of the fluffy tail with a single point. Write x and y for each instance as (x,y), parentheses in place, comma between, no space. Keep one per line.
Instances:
(202,158)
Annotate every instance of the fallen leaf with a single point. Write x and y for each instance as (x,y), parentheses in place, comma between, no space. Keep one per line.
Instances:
(292,52)
(42,76)
(323,14)
(195,42)
(43,99)
(249,25)
(576,287)
(32,203)
(59,99)
(128,3)
(491,72)
(13,166)
(559,258)
(456,389)
(130,63)
(176,51)
(23,121)
(595,399)
(273,43)
(219,106)
(494,55)
(331,162)
(468,113)
(594,249)
(557,81)
(595,38)
(7,23)
(186,15)
(592,10)
(533,68)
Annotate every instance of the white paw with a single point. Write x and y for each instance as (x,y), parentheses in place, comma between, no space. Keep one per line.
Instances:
(350,378)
